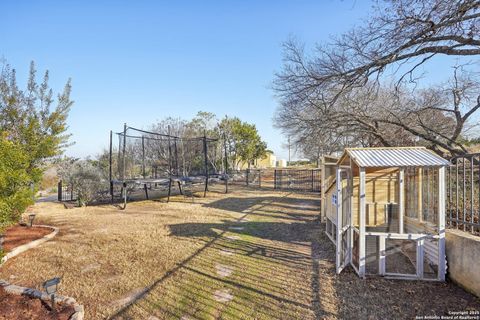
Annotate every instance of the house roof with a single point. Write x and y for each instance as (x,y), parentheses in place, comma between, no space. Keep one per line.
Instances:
(394,157)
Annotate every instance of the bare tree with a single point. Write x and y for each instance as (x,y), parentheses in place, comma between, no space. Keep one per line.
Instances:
(341,90)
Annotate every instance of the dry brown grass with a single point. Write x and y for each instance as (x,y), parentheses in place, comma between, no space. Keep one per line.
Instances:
(104,253)
(265,249)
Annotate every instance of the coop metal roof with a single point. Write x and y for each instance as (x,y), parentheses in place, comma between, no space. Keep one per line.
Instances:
(395,157)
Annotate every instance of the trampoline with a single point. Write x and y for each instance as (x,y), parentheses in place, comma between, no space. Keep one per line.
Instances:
(148,161)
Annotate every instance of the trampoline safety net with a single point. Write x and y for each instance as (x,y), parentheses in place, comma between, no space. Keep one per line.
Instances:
(154,155)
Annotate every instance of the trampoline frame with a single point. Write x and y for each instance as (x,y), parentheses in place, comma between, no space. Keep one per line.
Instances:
(172,158)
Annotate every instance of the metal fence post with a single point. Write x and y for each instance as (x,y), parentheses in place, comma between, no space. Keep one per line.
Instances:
(111,190)
(59,191)
(312,182)
(274,179)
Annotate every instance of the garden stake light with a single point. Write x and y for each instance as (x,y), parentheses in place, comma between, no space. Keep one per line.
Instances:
(51,287)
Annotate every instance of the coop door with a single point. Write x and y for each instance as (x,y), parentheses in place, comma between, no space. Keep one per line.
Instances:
(343,218)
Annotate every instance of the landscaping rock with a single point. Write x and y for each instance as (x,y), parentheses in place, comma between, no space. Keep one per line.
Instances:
(223,271)
(223,295)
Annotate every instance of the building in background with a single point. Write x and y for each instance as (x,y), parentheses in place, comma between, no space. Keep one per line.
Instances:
(268,161)
(282,163)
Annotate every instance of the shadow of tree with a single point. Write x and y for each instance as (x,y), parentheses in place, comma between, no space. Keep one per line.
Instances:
(270,205)
(277,231)
(274,274)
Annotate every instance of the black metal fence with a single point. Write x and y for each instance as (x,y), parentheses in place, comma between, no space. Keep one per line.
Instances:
(249,177)
(254,178)
(300,180)
(305,180)
(463,193)
(66,192)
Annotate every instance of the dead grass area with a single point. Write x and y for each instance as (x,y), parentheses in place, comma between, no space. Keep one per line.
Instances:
(251,254)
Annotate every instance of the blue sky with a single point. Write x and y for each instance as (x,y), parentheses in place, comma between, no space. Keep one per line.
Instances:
(139,61)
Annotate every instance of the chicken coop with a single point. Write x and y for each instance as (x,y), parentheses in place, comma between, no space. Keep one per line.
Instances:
(385,212)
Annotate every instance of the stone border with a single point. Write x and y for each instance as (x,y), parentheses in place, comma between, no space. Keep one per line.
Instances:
(36,294)
(35,243)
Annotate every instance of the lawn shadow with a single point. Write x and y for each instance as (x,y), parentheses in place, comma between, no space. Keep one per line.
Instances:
(269,204)
(271,254)
(294,232)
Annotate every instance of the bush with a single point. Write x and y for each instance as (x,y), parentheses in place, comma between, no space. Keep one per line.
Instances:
(15,192)
(33,129)
(86,179)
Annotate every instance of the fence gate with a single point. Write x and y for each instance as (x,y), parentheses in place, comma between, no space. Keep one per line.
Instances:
(463,193)
(66,192)
(299,180)
(254,178)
